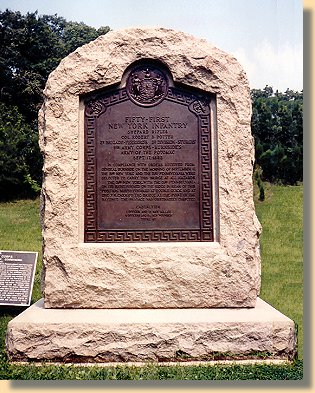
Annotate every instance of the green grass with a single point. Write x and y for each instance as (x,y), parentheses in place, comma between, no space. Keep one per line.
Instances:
(282,287)
(20,231)
(19,226)
(281,216)
(152,371)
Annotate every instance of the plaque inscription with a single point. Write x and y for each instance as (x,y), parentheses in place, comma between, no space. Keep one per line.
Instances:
(148,162)
(17,270)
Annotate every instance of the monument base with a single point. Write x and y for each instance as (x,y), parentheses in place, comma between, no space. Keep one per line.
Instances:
(150,335)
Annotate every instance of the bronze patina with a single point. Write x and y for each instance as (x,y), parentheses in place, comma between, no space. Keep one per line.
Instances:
(148,173)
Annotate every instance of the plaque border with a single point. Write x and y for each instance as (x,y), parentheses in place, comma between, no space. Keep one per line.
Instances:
(95,107)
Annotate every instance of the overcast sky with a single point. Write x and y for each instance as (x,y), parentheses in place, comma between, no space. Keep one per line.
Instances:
(266,36)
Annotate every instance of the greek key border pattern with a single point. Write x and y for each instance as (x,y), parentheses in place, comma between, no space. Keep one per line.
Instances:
(206,178)
(91,234)
(145,236)
(179,96)
(90,174)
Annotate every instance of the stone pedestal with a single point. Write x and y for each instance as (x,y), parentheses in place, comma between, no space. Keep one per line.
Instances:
(156,335)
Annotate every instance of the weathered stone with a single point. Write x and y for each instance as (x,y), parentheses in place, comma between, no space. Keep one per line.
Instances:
(150,275)
(150,335)
(225,273)
(149,301)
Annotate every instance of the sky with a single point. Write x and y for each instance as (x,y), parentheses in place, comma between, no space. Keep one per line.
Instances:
(266,36)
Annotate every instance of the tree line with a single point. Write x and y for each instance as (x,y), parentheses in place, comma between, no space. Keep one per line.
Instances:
(277,125)
(32,45)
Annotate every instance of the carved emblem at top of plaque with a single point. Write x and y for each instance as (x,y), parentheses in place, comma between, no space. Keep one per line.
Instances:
(95,108)
(147,85)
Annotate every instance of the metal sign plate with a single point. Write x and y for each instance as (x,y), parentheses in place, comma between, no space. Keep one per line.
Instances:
(148,162)
(17,271)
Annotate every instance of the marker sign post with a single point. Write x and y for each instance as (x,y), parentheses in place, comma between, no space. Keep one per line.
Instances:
(17,271)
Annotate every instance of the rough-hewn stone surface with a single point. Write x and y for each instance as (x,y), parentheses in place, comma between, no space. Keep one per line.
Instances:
(223,274)
(149,335)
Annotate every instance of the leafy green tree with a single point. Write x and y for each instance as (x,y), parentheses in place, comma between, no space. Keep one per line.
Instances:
(19,155)
(277,124)
(31,46)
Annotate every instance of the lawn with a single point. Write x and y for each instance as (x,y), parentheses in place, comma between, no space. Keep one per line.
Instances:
(20,231)
(282,287)
(281,216)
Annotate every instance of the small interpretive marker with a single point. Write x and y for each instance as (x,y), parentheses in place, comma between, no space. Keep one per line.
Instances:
(17,271)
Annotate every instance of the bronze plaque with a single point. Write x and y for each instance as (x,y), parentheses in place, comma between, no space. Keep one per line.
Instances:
(148,161)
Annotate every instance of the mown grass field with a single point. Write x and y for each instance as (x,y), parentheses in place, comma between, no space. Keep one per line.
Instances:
(282,287)
(20,231)
(281,216)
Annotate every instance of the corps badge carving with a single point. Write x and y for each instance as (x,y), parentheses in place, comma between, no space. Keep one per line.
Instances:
(147,85)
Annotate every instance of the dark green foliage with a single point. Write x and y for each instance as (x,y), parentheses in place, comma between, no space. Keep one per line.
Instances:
(31,46)
(260,183)
(261,192)
(277,125)
(20,159)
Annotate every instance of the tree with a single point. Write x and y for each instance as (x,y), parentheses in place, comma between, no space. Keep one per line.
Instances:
(31,46)
(19,155)
(277,125)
